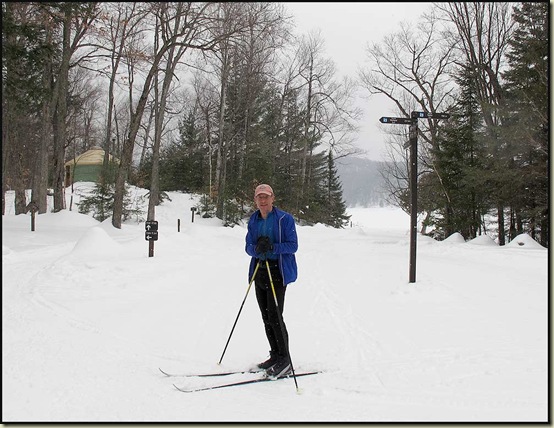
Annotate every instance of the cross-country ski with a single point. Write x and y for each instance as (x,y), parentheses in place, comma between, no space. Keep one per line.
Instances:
(244,382)
(214,374)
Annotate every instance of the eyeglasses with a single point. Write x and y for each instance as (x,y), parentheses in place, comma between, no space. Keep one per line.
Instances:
(263,196)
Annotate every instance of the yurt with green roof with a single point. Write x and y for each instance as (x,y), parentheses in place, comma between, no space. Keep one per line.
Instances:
(87,166)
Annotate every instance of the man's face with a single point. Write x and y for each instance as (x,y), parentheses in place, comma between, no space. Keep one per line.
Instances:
(264,203)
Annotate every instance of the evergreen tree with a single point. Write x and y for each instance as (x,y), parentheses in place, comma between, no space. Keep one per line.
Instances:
(527,93)
(188,156)
(312,206)
(99,203)
(287,129)
(26,55)
(456,190)
(182,162)
(336,208)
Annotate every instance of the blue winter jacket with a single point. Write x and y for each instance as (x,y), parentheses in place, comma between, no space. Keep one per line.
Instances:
(285,243)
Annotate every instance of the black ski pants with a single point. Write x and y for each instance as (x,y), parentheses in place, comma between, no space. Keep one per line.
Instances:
(278,338)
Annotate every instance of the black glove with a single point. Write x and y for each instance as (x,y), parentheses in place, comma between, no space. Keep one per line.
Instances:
(263,245)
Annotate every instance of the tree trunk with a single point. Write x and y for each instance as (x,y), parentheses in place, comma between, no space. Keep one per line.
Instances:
(221,160)
(129,144)
(40,171)
(59,119)
(501,231)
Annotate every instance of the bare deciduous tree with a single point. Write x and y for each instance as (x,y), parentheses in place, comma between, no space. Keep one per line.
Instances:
(327,104)
(196,30)
(120,25)
(75,20)
(411,68)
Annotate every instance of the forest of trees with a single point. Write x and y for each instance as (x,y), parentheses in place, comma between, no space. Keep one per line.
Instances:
(204,97)
(215,98)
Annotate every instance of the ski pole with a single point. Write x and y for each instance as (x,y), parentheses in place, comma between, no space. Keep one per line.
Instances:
(240,310)
(281,324)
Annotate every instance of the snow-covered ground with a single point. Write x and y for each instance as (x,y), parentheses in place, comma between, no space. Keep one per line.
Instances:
(88,318)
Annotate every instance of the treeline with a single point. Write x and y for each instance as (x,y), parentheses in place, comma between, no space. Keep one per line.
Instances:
(218,97)
(485,170)
(204,97)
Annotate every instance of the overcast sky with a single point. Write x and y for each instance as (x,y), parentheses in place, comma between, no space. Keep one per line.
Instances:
(347,28)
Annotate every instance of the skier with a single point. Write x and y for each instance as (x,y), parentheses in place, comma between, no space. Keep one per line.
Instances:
(271,239)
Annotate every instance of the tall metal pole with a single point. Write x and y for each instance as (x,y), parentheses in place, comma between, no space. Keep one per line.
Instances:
(413,195)
(412,142)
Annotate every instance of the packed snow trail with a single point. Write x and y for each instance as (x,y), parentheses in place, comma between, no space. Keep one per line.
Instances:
(88,317)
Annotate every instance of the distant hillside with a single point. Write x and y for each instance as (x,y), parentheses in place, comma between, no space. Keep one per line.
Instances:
(362,183)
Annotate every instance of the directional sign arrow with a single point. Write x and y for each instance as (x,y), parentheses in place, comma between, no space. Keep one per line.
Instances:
(439,115)
(151,225)
(430,115)
(396,120)
(151,235)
